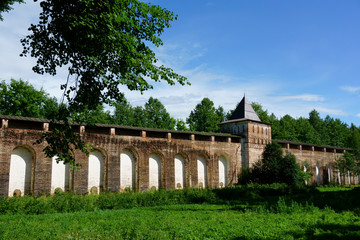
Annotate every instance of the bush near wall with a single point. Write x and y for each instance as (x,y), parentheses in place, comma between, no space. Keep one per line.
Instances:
(71,202)
(274,167)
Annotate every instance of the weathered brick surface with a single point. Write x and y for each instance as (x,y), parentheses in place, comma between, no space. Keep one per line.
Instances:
(242,150)
(111,147)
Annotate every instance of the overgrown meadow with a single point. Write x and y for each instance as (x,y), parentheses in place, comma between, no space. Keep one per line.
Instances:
(273,211)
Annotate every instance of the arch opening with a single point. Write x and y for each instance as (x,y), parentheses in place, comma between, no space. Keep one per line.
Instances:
(60,176)
(154,171)
(20,174)
(223,172)
(202,172)
(180,175)
(127,170)
(95,172)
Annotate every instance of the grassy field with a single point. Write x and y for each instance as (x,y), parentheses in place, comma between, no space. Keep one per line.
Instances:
(258,214)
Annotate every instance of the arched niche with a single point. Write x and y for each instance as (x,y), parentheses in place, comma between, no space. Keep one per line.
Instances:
(60,175)
(180,173)
(21,168)
(223,171)
(127,170)
(318,174)
(202,172)
(96,172)
(154,171)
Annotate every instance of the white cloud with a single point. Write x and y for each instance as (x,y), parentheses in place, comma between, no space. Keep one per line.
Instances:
(331,111)
(302,97)
(188,59)
(350,89)
(358,115)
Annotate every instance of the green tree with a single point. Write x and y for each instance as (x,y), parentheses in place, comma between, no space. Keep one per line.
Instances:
(140,117)
(124,113)
(5,6)
(338,132)
(262,114)
(98,115)
(320,127)
(104,44)
(348,163)
(181,125)
(157,116)
(305,132)
(205,117)
(353,140)
(20,98)
(287,128)
(274,167)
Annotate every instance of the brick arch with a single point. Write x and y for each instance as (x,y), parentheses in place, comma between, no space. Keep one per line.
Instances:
(182,175)
(223,167)
(21,176)
(124,180)
(206,155)
(202,170)
(156,170)
(133,150)
(95,178)
(102,151)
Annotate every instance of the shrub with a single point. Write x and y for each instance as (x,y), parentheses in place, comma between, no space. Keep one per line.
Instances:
(274,168)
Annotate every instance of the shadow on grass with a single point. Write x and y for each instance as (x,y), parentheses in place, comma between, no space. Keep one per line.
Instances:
(337,200)
(329,231)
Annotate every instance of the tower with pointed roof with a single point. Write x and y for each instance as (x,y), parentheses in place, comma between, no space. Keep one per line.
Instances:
(255,134)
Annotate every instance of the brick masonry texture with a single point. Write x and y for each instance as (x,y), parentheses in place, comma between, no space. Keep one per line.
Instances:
(241,147)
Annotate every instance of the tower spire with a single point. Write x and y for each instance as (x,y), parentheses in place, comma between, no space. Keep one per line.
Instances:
(244,110)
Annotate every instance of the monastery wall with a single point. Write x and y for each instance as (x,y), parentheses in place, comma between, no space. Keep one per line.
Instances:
(319,161)
(123,157)
(142,159)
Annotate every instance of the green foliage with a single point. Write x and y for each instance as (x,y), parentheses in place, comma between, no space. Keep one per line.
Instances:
(104,44)
(5,6)
(274,168)
(313,130)
(19,98)
(152,115)
(124,113)
(274,211)
(205,117)
(181,125)
(157,116)
(348,163)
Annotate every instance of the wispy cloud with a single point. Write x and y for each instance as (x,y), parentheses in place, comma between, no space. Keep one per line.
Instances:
(331,111)
(350,89)
(302,97)
(358,115)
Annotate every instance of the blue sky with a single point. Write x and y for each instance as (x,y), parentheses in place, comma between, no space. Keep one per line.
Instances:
(289,56)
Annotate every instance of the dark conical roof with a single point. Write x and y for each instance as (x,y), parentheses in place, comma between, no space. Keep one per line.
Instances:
(244,111)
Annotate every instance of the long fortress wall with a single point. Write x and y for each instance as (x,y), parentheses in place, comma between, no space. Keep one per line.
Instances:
(123,157)
(143,159)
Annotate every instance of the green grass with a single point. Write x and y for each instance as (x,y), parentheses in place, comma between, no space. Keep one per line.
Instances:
(193,221)
(251,212)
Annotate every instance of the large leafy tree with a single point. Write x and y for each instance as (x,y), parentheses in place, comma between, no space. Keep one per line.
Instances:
(152,115)
(5,6)
(19,98)
(105,44)
(124,113)
(205,117)
(157,116)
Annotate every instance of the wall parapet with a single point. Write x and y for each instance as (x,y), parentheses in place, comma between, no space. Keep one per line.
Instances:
(30,123)
(310,147)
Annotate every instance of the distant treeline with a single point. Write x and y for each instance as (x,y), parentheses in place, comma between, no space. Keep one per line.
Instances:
(19,98)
